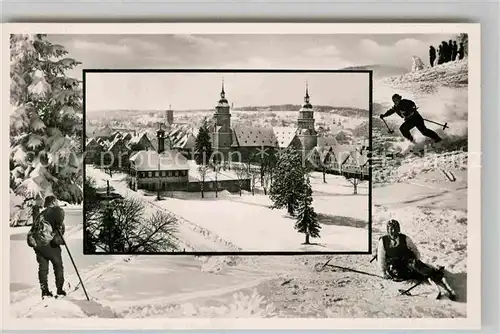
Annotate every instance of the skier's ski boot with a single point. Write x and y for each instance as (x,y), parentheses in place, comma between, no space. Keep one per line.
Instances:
(452,295)
(61,293)
(46,293)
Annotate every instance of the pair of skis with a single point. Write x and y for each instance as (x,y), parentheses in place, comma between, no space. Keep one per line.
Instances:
(402,292)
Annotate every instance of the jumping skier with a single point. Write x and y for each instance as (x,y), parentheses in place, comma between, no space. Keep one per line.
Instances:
(407,110)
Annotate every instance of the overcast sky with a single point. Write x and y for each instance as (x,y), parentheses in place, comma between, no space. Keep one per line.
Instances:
(156,91)
(235,51)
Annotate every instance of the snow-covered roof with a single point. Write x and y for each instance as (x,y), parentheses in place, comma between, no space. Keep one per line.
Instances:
(254,136)
(342,153)
(90,130)
(358,158)
(284,135)
(327,141)
(154,143)
(185,142)
(152,161)
(106,131)
(135,139)
(116,142)
(127,137)
(92,142)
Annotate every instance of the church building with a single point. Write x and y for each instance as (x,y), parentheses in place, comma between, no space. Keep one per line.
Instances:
(247,142)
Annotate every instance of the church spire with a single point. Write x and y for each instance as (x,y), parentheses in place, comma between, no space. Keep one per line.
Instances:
(306,98)
(223,99)
(222,93)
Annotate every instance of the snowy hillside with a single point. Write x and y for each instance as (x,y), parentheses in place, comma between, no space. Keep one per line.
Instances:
(440,94)
(430,203)
(379,70)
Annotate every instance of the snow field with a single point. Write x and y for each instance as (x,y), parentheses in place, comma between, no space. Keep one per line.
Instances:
(248,223)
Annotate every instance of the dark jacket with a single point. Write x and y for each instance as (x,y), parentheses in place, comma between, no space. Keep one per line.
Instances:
(405,109)
(55,216)
(432,52)
(403,249)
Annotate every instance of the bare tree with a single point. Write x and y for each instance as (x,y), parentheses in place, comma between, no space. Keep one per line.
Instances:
(253,174)
(203,169)
(121,226)
(321,157)
(355,179)
(216,166)
(241,174)
(155,235)
(266,180)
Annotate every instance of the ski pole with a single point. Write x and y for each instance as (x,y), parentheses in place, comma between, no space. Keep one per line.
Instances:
(388,128)
(74,265)
(326,263)
(355,271)
(407,291)
(445,125)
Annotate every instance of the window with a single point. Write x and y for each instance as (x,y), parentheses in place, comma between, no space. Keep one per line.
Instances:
(150,174)
(157,174)
(169,173)
(175,173)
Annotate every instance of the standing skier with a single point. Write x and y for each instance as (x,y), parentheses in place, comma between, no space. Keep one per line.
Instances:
(407,110)
(46,242)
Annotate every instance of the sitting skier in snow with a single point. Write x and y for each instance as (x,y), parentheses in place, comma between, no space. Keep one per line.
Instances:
(407,110)
(46,242)
(399,259)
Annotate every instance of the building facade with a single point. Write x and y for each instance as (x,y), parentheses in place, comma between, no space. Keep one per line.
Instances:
(150,170)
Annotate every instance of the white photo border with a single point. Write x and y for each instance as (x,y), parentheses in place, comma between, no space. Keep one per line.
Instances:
(473,319)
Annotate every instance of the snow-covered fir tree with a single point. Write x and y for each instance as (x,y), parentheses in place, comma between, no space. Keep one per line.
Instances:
(45,122)
(203,146)
(307,220)
(288,178)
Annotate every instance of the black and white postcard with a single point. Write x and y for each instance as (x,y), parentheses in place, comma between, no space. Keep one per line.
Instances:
(241,176)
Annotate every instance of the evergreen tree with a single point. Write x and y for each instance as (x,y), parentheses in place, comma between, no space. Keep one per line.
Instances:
(288,179)
(203,146)
(45,122)
(307,220)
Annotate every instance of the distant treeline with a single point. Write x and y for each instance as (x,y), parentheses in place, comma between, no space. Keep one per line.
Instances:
(342,111)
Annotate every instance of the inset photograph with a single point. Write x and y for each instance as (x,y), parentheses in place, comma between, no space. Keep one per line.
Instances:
(227,162)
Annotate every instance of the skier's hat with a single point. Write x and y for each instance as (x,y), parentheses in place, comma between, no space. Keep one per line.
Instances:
(393,223)
(396,96)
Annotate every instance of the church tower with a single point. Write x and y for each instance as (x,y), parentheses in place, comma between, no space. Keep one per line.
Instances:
(222,136)
(170,115)
(305,126)
(160,136)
